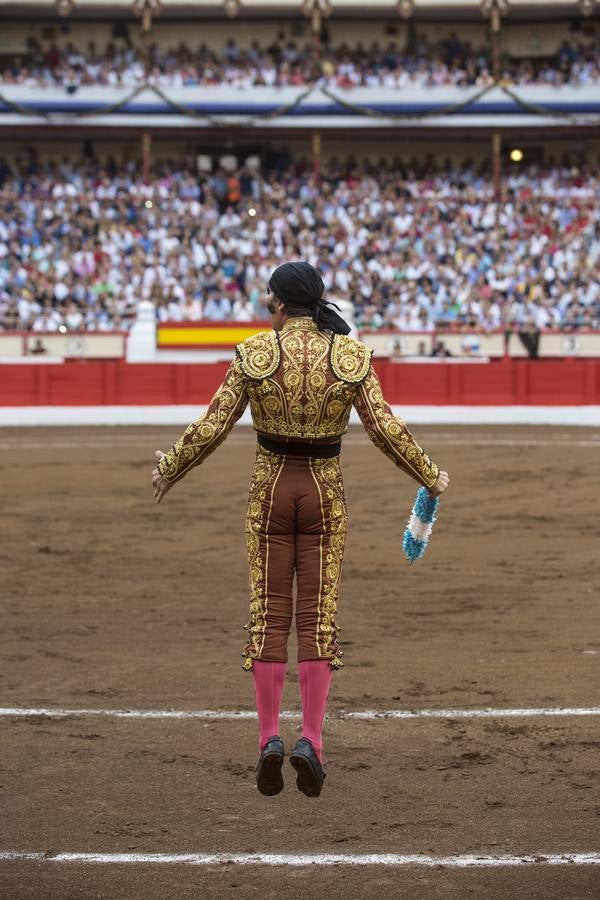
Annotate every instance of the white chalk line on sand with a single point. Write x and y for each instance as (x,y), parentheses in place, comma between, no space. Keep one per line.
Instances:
(242,714)
(461,861)
(135,442)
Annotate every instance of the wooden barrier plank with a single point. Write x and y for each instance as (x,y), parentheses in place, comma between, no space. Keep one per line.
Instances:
(105,382)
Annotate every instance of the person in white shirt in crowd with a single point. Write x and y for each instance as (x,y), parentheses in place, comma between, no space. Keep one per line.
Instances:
(61,291)
(217,308)
(46,321)
(27,310)
(242,309)
(449,265)
(191,309)
(341,66)
(229,219)
(74,318)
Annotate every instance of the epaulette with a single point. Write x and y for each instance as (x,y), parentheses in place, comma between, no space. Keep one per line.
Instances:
(260,355)
(350,359)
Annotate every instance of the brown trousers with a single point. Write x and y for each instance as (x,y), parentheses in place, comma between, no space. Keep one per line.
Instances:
(296,524)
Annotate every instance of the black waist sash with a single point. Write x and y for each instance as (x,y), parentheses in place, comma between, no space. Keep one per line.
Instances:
(295,448)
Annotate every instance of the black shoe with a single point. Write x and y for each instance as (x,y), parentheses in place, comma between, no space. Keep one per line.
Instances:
(269,780)
(308,766)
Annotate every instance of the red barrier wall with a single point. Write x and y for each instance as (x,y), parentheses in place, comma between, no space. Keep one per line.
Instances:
(570,382)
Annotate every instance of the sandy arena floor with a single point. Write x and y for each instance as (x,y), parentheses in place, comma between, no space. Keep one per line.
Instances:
(110,602)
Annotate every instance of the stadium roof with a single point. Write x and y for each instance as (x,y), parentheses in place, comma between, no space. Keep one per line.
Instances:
(288,109)
(357,8)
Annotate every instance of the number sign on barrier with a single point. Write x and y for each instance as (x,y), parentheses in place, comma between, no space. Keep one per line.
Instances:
(581,344)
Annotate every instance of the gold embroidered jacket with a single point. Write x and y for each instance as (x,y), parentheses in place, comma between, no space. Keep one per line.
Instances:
(301,384)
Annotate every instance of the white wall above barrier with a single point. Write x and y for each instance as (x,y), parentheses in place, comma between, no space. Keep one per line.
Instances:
(395,344)
(11,345)
(75,345)
(140,345)
(490,345)
(581,344)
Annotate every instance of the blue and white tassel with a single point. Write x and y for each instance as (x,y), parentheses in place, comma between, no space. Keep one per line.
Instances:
(418,530)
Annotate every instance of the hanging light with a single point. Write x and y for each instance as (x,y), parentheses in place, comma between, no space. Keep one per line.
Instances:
(232,8)
(321,6)
(516,155)
(406,8)
(586,7)
(146,9)
(315,10)
(487,6)
(64,7)
(494,10)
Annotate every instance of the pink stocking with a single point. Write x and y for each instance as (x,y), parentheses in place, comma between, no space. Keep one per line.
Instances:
(315,678)
(269,678)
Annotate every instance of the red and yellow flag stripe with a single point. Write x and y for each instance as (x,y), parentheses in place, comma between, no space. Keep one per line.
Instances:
(206,335)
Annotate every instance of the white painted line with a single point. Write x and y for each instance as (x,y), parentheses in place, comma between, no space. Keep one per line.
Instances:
(81,445)
(487,713)
(462,861)
(508,442)
(237,714)
(208,714)
(182,415)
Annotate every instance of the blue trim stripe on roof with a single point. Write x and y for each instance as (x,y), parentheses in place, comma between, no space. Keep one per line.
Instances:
(309,109)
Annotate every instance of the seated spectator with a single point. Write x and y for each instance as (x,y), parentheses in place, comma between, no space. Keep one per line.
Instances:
(529,336)
(38,348)
(242,310)
(74,318)
(217,308)
(47,321)
(425,64)
(440,350)
(191,310)
(535,258)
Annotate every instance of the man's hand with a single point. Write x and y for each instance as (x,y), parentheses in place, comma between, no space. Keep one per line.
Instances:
(160,484)
(440,486)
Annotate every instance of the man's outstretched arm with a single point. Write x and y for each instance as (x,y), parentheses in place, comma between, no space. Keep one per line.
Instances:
(204,435)
(392,437)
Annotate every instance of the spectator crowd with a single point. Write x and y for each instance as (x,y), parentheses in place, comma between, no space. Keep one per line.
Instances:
(82,244)
(427,64)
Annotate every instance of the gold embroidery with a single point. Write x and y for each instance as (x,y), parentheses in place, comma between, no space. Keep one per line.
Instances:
(302,323)
(390,434)
(267,469)
(260,355)
(320,594)
(205,434)
(303,398)
(350,360)
(328,478)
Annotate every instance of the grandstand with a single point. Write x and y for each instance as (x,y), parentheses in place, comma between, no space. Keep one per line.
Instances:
(174,153)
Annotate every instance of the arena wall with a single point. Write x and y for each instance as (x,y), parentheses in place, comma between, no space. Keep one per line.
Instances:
(115,392)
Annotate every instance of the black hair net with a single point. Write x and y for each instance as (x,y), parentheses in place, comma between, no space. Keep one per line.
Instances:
(299,286)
